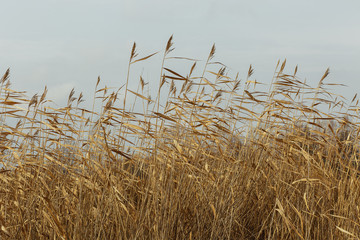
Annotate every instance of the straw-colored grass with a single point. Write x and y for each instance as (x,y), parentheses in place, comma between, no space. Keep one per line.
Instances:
(209,157)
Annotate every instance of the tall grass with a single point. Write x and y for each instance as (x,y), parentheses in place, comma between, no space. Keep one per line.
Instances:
(210,157)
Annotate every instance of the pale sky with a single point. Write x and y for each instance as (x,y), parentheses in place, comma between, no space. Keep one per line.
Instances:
(68,43)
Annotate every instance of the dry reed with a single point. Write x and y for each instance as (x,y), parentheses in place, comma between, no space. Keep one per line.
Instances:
(217,159)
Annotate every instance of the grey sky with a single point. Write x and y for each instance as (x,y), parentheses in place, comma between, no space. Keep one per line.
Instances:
(68,43)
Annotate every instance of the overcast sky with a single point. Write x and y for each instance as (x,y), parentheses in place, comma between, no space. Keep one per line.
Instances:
(68,43)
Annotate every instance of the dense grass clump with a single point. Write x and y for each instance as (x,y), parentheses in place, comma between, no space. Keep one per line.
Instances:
(210,157)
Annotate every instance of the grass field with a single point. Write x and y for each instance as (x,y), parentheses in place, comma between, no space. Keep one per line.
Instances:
(209,157)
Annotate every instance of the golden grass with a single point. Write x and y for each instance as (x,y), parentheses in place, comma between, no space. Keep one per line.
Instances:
(217,159)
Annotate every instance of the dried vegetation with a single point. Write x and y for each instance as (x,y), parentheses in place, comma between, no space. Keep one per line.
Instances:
(217,159)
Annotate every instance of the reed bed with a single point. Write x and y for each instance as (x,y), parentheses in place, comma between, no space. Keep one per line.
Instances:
(210,157)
